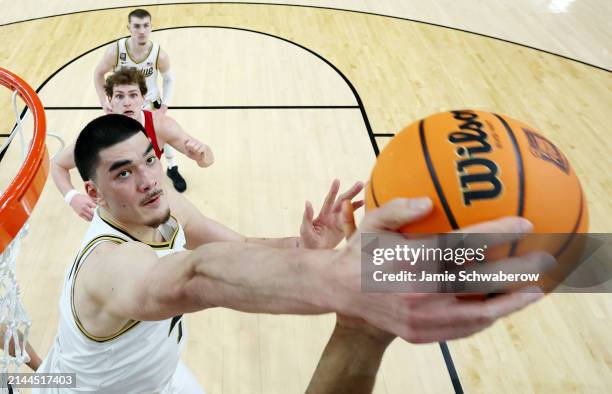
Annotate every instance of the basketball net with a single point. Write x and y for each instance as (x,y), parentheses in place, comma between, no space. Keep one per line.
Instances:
(13,316)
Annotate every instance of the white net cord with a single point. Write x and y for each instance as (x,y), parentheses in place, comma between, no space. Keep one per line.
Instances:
(13,316)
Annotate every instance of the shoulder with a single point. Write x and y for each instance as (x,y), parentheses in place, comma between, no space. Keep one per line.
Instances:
(110,252)
(111,52)
(105,260)
(163,122)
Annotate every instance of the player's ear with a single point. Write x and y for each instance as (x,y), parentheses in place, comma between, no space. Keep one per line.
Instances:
(94,192)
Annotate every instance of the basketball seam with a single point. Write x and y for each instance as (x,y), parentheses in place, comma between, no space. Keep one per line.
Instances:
(521,176)
(434,178)
(372,191)
(576,225)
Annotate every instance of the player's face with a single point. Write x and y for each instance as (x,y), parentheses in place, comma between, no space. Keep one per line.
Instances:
(130,182)
(140,29)
(127,100)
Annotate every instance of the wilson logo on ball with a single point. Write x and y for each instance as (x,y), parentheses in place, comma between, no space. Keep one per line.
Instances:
(474,171)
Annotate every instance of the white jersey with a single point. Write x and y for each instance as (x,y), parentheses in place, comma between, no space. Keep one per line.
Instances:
(141,357)
(148,66)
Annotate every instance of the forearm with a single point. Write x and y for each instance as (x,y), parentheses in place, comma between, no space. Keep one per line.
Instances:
(35,359)
(256,278)
(167,87)
(349,363)
(278,243)
(61,178)
(99,84)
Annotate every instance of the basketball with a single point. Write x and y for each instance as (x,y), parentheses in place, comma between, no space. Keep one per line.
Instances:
(478,166)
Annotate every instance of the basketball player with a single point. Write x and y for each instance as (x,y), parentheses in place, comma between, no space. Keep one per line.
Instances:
(139,52)
(125,90)
(140,269)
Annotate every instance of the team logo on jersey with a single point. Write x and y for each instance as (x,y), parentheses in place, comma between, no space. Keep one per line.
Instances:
(544,149)
(122,56)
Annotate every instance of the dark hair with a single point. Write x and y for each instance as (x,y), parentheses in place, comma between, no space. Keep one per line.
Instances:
(125,76)
(99,134)
(138,13)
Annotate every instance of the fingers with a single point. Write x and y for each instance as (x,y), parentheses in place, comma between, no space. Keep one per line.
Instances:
(85,212)
(505,304)
(496,232)
(84,206)
(348,195)
(357,204)
(348,219)
(439,317)
(194,146)
(308,213)
(331,196)
(533,264)
(87,216)
(395,214)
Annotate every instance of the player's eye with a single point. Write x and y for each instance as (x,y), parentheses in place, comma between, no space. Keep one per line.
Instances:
(151,159)
(123,174)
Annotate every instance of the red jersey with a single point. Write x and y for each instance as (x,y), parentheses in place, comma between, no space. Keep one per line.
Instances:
(150,130)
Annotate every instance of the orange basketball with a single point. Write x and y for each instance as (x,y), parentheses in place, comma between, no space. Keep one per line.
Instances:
(477,166)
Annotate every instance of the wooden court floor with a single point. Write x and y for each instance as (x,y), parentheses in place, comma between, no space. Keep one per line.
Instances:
(289,98)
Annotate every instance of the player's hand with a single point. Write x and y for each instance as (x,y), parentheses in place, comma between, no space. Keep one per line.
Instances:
(106,107)
(199,152)
(325,231)
(83,205)
(163,109)
(430,317)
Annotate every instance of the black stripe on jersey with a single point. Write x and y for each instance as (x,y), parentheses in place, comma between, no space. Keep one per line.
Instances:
(177,319)
(155,245)
(117,60)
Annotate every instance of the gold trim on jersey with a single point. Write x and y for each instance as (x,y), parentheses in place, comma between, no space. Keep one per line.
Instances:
(157,57)
(169,244)
(117,59)
(127,49)
(76,268)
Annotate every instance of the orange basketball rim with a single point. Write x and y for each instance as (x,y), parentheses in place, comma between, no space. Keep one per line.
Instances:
(20,197)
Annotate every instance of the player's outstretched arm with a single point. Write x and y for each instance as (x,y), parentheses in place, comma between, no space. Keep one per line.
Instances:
(241,276)
(170,132)
(60,168)
(256,278)
(350,360)
(107,63)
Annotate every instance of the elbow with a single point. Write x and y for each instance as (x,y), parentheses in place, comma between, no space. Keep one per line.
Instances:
(55,169)
(173,293)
